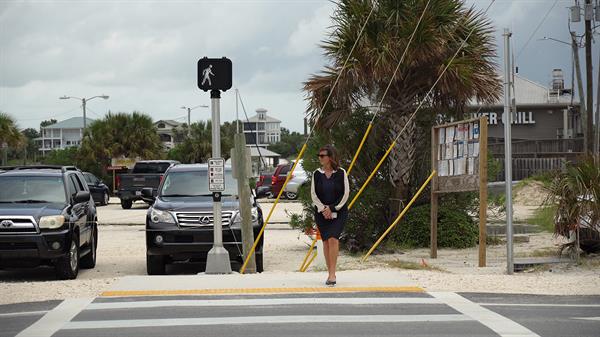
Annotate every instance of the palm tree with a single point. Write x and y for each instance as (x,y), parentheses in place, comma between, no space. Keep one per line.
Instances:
(445,25)
(9,133)
(10,136)
(120,134)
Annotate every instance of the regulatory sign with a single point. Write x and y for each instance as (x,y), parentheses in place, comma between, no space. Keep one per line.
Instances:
(216,175)
(214,74)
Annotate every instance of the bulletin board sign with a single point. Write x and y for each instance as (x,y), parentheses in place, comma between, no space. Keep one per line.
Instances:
(459,155)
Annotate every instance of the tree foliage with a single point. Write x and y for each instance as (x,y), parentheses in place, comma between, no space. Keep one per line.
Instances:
(118,135)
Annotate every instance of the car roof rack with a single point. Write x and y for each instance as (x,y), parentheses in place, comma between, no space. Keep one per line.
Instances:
(40,167)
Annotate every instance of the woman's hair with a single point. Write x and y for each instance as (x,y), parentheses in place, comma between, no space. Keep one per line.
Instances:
(332,153)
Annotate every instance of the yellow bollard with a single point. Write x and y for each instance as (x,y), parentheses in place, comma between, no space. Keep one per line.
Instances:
(399,216)
(262,230)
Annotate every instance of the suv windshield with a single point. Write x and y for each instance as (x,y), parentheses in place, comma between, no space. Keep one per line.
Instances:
(32,189)
(150,167)
(194,183)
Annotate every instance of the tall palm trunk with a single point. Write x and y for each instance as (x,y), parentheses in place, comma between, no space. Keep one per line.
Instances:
(401,158)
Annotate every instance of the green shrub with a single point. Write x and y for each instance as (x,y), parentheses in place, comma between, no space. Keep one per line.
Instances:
(456,229)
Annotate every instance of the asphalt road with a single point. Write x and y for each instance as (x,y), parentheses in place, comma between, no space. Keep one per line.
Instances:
(325,314)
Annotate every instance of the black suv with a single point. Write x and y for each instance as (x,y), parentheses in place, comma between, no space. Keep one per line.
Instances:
(179,225)
(47,216)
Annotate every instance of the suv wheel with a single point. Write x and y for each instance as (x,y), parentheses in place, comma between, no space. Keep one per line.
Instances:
(291,195)
(89,261)
(105,199)
(126,204)
(259,263)
(67,267)
(155,265)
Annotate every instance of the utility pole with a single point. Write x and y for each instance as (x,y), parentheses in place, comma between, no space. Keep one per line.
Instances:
(241,169)
(582,107)
(588,63)
(507,119)
(597,138)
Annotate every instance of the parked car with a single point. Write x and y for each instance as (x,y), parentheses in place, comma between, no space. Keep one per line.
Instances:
(100,192)
(179,225)
(145,174)
(47,217)
(263,186)
(299,177)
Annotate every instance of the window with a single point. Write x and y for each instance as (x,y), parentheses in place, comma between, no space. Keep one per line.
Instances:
(161,125)
(72,186)
(79,183)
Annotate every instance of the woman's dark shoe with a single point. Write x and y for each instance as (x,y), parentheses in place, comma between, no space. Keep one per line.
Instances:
(329,283)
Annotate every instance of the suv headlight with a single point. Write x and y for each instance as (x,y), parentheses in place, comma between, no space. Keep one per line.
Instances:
(157,216)
(52,222)
(237,218)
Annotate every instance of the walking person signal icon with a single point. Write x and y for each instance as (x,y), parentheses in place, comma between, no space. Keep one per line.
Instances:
(214,74)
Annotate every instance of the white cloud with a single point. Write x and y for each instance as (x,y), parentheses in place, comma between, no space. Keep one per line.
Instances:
(309,32)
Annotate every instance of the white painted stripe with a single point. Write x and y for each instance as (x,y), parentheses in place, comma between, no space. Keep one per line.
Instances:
(261,302)
(498,323)
(114,324)
(55,319)
(587,318)
(540,305)
(24,313)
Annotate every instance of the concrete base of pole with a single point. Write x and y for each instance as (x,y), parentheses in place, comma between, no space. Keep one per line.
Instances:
(217,261)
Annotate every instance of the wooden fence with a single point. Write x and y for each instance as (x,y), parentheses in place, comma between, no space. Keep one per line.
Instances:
(540,148)
(526,167)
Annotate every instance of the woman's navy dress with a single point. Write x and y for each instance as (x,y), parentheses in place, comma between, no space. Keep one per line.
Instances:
(330,228)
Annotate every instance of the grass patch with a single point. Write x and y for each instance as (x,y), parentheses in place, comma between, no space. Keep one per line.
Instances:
(401,264)
(544,218)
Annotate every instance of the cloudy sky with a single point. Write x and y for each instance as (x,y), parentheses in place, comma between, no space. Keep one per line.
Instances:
(143,53)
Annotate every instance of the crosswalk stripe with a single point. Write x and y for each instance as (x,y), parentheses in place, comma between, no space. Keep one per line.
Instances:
(139,323)
(261,302)
(55,319)
(498,323)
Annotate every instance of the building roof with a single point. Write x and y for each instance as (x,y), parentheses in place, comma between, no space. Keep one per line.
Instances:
(268,119)
(168,121)
(528,92)
(263,152)
(71,123)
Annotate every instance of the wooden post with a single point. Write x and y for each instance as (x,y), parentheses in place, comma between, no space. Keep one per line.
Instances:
(483,203)
(434,196)
(241,172)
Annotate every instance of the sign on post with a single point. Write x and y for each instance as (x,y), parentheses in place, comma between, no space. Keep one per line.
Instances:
(216,175)
(214,74)
(459,155)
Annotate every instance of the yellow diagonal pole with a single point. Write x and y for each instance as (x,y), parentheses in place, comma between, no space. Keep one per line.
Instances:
(399,216)
(362,188)
(312,246)
(309,262)
(262,230)
(362,142)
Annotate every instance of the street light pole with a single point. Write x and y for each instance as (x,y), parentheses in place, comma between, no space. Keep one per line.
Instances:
(589,84)
(189,118)
(83,104)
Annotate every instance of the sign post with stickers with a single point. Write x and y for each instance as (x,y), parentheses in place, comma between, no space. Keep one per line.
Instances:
(459,155)
(215,74)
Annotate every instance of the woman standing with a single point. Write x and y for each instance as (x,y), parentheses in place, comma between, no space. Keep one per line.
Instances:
(329,192)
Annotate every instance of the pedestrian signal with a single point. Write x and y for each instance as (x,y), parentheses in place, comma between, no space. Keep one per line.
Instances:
(214,74)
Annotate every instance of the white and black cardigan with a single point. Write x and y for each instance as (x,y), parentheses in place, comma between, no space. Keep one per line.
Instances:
(341,190)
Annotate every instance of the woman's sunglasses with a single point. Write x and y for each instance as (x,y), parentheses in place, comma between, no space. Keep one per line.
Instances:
(322,155)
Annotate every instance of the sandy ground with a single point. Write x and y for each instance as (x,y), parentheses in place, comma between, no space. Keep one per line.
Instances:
(121,252)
